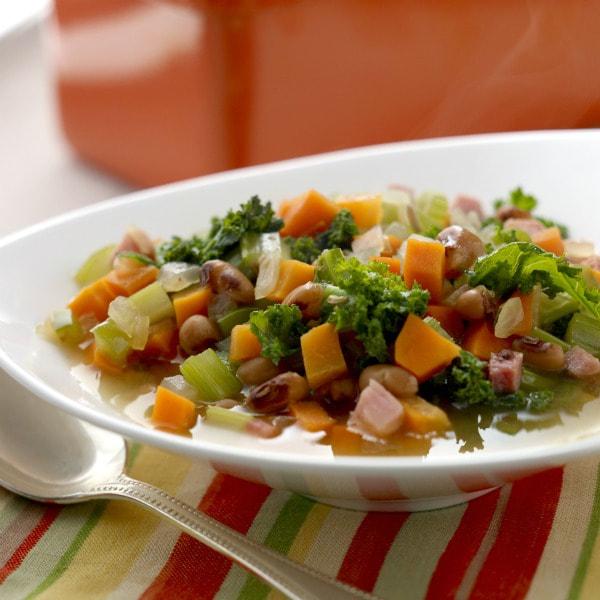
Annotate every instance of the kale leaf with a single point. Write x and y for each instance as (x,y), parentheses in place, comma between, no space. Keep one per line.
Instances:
(522,265)
(465,382)
(339,234)
(369,300)
(224,235)
(519,199)
(278,329)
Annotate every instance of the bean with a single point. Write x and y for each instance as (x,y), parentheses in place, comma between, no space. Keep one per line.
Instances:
(396,380)
(462,249)
(197,333)
(546,356)
(473,304)
(257,370)
(308,298)
(227,279)
(276,394)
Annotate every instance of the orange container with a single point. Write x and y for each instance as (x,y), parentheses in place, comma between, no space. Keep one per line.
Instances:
(157,91)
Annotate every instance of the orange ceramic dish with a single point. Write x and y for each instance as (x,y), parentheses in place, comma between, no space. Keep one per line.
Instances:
(157,91)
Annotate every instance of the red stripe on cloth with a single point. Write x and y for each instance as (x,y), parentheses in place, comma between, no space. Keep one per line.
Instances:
(463,546)
(511,564)
(193,570)
(19,555)
(369,547)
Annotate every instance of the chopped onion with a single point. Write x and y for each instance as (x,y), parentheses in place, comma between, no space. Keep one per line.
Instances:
(578,250)
(370,243)
(468,220)
(268,272)
(176,276)
(179,385)
(130,320)
(221,305)
(510,316)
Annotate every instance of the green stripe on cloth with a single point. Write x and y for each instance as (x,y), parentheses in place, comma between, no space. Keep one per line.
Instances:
(280,538)
(74,546)
(588,544)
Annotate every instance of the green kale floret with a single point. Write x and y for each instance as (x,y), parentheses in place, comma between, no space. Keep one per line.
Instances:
(339,234)
(522,265)
(224,235)
(278,329)
(519,199)
(465,382)
(368,300)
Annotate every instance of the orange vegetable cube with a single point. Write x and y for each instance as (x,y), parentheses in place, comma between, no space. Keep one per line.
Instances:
(394,264)
(312,416)
(322,355)
(550,240)
(126,283)
(307,214)
(448,318)
(162,339)
(421,350)
(366,210)
(244,344)
(173,411)
(292,274)
(423,417)
(93,299)
(424,263)
(395,242)
(191,301)
(479,339)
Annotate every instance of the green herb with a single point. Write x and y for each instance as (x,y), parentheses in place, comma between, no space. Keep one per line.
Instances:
(519,199)
(465,383)
(224,235)
(278,329)
(372,302)
(339,234)
(521,265)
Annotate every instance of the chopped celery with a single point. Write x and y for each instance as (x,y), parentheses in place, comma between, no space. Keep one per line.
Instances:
(226,417)
(210,376)
(552,309)
(437,327)
(66,326)
(236,317)
(153,301)
(584,331)
(534,380)
(432,210)
(97,265)
(112,342)
(548,337)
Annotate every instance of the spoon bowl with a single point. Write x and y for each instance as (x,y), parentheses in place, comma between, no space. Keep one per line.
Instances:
(49,456)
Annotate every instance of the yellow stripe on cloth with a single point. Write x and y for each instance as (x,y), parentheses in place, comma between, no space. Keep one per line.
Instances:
(559,560)
(309,531)
(124,528)
(160,543)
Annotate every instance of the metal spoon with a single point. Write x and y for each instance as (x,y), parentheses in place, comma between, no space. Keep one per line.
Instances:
(49,456)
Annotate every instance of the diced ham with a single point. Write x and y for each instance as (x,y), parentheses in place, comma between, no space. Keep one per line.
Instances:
(506,368)
(467,204)
(581,364)
(529,226)
(136,240)
(377,411)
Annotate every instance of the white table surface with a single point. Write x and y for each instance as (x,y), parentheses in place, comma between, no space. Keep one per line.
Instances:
(39,174)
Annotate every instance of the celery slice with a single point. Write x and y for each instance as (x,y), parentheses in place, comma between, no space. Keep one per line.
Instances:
(552,309)
(432,210)
(584,331)
(226,417)
(532,381)
(112,342)
(548,337)
(66,326)
(154,302)
(210,376)
(437,327)
(128,317)
(97,265)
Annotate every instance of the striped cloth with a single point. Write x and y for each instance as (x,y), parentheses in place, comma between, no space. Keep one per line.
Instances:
(537,538)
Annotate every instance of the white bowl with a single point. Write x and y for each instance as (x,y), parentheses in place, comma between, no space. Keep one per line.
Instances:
(36,265)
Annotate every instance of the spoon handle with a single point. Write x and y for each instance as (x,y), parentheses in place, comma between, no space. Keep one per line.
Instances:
(296,581)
